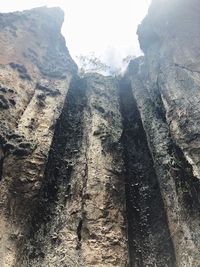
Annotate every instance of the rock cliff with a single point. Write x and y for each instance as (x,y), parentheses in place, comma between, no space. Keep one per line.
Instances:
(35,70)
(165,85)
(94,170)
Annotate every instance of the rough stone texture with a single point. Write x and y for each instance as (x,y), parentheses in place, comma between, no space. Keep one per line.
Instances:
(149,239)
(165,84)
(81,220)
(169,36)
(98,171)
(35,73)
(104,232)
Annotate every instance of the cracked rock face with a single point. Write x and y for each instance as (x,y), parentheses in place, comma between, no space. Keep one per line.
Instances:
(100,171)
(32,93)
(85,168)
(170,39)
(165,84)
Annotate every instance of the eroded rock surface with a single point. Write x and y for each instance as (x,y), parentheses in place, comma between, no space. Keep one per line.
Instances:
(81,219)
(35,74)
(100,171)
(165,84)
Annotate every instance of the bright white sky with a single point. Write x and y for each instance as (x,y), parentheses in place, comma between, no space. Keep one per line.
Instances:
(105,27)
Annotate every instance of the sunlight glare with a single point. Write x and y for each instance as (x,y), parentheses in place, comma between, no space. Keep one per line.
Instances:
(104,27)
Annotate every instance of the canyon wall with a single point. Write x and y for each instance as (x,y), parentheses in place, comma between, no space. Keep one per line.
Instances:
(94,170)
(35,70)
(165,85)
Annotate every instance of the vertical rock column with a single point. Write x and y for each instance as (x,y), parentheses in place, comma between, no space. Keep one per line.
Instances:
(165,84)
(177,184)
(103,235)
(35,73)
(84,224)
(96,228)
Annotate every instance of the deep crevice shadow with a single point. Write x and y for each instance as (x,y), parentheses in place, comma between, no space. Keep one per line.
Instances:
(149,238)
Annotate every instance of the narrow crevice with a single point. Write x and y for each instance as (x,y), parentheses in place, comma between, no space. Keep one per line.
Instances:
(79,229)
(186,68)
(83,199)
(159,107)
(56,189)
(64,150)
(148,234)
(187,185)
(1,167)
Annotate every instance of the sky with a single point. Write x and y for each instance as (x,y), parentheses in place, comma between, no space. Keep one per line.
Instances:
(106,28)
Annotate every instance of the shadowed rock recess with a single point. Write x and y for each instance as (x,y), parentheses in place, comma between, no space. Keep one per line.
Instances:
(94,170)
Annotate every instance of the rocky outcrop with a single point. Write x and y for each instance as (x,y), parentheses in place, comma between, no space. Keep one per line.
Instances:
(165,85)
(81,219)
(100,171)
(149,237)
(35,74)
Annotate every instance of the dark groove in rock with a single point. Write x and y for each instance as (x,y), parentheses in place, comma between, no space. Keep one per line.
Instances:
(79,229)
(1,167)
(187,185)
(148,234)
(186,68)
(56,189)
(83,199)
